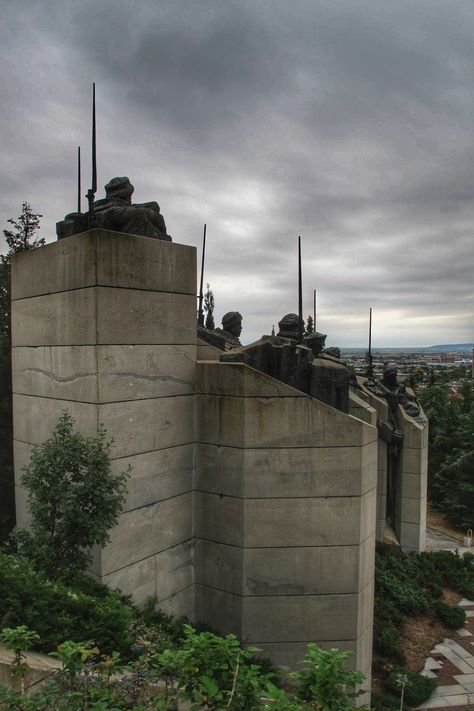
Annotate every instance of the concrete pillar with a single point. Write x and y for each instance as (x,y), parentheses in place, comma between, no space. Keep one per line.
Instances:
(104,325)
(285,516)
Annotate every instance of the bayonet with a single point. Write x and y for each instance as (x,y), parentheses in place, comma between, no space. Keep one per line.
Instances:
(200,310)
(79,179)
(92,190)
(300,296)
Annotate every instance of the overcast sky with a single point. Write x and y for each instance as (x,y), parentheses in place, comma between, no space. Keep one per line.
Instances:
(348,122)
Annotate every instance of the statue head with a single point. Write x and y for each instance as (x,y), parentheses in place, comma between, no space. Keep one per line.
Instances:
(289,327)
(315,341)
(119,188)
(389,378)
(232,323)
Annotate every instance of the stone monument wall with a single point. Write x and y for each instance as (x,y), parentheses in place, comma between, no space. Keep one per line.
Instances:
(285,516)
(103,325)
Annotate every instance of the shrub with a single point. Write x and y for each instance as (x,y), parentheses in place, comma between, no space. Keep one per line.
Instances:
(74,498)
(58,612)
(387,643)
(418,688)
(452,617)
(384,702)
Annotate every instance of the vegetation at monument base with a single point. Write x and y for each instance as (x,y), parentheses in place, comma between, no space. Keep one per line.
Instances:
(22,237)
(74,498)
(451,449)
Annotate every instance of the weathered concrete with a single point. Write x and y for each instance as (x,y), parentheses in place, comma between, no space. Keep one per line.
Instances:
(104,326)
(285,514)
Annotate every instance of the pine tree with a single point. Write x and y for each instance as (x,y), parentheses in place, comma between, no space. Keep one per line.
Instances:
(209,308)
(309,326)
(23,236)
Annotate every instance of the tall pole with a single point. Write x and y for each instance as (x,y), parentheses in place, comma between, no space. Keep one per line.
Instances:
(200,311)
(300,295)
(79,179)
(92,190)
(370,368)
(314,310)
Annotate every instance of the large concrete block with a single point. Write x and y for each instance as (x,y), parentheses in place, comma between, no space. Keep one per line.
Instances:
(180,604)
(146,425)
(302,522)
(414,485)
(63,372)
(414,460)
(309,472)
(368,506)
(65,318)
(301,571)
(240,380)
(219,566)
(23,517)
(219,518)
(413,536)
(413,510)
(137,579)
(222,610)
(219,470)
(358,407)
(126,316)
(104,316)
(318,617)
(145,371)
(273,422)
(161,474)
(102,257)
(34,418)
(147,531)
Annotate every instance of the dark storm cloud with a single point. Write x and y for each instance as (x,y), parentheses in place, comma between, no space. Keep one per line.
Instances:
(347,122)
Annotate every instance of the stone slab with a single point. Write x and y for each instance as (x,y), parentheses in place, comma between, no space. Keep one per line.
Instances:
(273,422)
(147,531)
(100,315)
(301,571)
(219,470)
(181,604)
(415,460)
(157,475)
(103,257)
(34,418)
(219,518)
(309,472)
(147,425)
(222,610)
(104,373)
(414,485)
(303,522)
(219,566)
(312,617)
(240,380)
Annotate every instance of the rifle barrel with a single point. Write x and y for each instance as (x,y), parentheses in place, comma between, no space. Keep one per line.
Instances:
(200,311)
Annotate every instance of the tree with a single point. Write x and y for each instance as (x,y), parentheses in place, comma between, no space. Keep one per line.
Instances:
(24,236)
(74,498)
(209,307)
(309,326)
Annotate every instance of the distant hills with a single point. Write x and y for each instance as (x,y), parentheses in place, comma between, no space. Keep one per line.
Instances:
(452,347)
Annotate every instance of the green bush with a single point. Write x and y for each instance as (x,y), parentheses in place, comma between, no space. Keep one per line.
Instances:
(384,702)
(418,688)
(58,611)
(452,617)
(387,644)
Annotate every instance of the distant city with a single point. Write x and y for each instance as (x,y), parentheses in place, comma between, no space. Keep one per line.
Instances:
(421,361)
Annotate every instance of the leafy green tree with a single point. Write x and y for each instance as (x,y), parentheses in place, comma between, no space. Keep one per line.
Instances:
(23,236)
(209,308)
(74,498)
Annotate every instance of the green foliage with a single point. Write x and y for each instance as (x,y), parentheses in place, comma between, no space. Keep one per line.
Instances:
(209,308)
(452,617)
(74,498)
(309,328)
(58,611)
(325,682)
(18,639)
(24,236)
(417,689)
(384,702)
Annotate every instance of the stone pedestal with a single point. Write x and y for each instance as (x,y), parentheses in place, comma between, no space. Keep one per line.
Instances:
(104,326)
